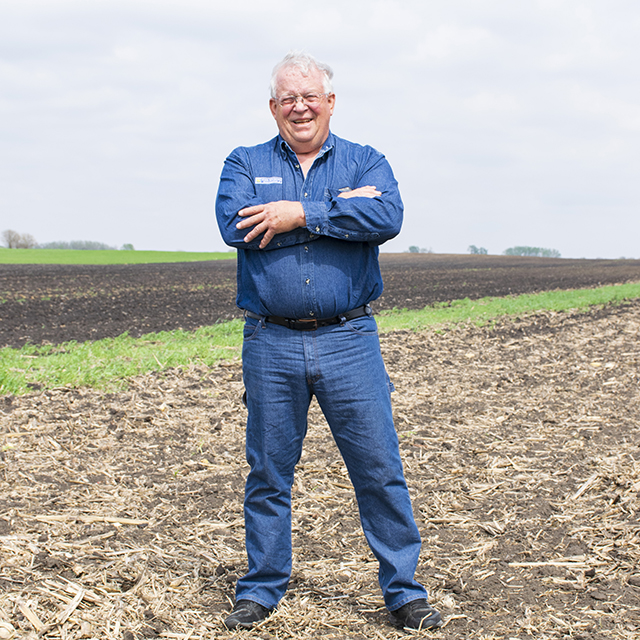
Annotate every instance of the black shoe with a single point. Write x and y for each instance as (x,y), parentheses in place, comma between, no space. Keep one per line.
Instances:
(245,614)
(417,614)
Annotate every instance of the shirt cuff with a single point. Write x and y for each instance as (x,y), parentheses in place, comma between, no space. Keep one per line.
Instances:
(316,216)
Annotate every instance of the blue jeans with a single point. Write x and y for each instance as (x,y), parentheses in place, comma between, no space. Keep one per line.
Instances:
(342,366)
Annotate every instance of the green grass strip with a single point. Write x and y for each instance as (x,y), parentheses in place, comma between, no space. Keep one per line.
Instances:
(484,310)
(69,256)
(107,363)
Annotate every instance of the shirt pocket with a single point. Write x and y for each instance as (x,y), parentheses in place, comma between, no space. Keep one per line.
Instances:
(269,191)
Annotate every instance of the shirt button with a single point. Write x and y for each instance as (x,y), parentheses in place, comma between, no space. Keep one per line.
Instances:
(307,281)
(306,248)
(306,195)
(317,229)
(311,313)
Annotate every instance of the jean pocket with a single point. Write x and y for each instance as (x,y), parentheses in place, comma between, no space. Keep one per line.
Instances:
(364,326)
(251,329)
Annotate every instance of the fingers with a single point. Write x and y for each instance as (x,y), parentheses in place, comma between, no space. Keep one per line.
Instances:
(270,219)
(249,211)
(268,236)
(251,216)
(368,191)
(255,232)
(250,221)
(259,224)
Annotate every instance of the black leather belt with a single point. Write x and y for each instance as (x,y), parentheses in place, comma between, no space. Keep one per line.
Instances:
(311,324)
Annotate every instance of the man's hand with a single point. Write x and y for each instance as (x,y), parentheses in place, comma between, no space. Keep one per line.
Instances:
(270,219)
(361,192)
(285,215)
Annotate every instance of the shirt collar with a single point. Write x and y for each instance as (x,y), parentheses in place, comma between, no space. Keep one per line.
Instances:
(286,150)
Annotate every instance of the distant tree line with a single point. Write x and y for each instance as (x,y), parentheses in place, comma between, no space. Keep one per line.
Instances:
(14,240)
(532,251)
(519,251)
(512,251)
(77,245)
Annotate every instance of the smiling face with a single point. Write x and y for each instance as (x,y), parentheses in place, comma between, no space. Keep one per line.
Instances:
(305,128)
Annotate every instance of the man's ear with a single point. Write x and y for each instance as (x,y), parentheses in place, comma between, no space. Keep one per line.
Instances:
(331,99)
(272,106)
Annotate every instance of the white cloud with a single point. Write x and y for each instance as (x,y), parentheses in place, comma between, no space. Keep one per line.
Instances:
(451,41)
(506,123)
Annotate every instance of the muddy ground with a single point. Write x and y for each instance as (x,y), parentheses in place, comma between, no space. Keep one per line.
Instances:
(522,450)
(56,303)
(121,513)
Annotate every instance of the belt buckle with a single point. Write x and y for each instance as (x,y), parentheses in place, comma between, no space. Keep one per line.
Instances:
(312,322)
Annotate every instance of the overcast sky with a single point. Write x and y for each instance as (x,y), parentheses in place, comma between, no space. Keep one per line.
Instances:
(507,122)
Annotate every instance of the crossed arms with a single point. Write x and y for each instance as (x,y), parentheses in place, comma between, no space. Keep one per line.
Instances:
(281,216)
(343,205)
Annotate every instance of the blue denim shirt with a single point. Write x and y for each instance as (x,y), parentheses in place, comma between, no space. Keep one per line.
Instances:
(330,266)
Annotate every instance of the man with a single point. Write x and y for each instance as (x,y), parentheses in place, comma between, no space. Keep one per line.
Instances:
(307,211)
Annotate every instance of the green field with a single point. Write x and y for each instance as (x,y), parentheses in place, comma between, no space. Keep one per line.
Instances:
(107,363)
(68,256)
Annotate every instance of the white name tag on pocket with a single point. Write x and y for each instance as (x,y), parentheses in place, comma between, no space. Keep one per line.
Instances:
(271,180)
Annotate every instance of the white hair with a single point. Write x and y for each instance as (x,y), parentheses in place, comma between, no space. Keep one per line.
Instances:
(305,62)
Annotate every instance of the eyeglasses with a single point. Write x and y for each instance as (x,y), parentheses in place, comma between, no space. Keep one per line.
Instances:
(309,99)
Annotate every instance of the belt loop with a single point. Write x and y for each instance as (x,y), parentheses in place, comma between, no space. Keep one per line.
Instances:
(254,316)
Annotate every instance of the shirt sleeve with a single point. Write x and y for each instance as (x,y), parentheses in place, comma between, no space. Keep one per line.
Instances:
(360,219)
(236,192)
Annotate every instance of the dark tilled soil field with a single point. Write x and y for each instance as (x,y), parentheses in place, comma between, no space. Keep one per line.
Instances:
(121,513)
(56,303)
